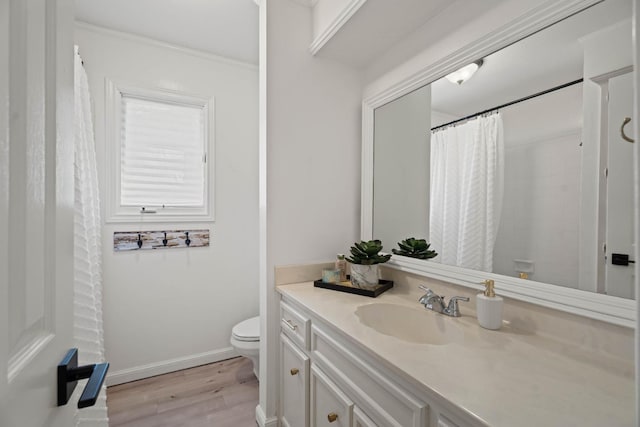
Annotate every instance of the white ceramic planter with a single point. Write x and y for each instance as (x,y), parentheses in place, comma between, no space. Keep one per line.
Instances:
(365,276)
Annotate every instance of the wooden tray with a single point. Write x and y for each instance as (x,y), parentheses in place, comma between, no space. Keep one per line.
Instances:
(384,285)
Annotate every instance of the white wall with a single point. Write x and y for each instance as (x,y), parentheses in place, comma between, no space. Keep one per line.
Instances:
(636,201)
(438,118)
(401,169)
(596,73)
(540,210)
(169,309)
(312,143)
(314,146)
(541,206)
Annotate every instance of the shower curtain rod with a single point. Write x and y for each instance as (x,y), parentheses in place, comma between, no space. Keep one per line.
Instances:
(535,95)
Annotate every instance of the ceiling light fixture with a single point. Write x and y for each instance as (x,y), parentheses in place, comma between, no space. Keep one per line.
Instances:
(463,74)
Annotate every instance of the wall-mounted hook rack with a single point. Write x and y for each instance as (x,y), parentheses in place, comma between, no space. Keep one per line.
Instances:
(141,240)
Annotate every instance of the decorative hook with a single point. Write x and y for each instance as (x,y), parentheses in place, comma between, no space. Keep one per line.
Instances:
(187,241)
(164,241)
(139,241)
(624,123)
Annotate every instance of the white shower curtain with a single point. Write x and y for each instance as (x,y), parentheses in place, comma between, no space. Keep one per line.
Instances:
(88,331)
(467,181)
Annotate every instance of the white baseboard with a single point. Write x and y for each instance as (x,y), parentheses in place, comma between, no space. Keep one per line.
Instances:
(262,420)
(165,366)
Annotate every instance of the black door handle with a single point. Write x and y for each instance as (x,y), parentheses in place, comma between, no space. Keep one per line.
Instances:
(69,373)
(621,259)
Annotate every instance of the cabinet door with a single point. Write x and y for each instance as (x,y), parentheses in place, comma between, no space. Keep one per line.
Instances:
(361,420)
(443,421)
(294,384)
(330,407)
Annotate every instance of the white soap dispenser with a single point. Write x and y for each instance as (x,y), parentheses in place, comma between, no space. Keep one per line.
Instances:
(489,307)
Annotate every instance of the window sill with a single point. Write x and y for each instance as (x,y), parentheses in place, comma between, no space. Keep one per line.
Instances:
(156,218)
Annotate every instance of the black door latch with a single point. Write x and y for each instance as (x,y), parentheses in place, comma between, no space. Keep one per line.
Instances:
(621,259)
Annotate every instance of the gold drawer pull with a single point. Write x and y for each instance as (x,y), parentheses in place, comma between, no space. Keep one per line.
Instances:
(332,417)
(289,324)
(294,371)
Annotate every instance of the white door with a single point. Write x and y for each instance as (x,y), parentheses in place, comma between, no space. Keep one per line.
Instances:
(36,209)
(619,234)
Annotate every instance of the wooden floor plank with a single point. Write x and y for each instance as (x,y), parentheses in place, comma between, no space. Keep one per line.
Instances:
(222,394)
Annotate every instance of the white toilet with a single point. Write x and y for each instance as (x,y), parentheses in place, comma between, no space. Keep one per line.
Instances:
(245,339)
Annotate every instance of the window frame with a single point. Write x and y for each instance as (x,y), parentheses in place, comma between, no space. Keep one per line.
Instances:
(114,211)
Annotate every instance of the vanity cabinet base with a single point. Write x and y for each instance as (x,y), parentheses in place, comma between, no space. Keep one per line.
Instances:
(326,380)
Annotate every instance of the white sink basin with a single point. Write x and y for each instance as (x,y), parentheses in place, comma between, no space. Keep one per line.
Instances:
(409,324)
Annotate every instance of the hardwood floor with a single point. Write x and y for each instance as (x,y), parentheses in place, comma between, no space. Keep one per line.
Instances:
(222,394)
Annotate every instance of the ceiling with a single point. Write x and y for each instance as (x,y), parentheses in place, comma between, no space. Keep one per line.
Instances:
(377,26)
(228,28)
(549,58)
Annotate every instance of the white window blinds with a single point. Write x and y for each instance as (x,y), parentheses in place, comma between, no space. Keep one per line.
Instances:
(163,154)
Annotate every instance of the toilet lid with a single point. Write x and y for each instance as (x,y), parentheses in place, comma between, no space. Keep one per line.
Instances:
(247,330)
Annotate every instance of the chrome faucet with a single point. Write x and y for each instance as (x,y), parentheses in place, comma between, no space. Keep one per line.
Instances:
(434,302)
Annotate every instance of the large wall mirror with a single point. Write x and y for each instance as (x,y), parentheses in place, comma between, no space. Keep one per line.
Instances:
(522,171)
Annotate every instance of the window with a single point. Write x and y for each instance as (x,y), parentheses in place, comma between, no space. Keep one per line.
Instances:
(159,144)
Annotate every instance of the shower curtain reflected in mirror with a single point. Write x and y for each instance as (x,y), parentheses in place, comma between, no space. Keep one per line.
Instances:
(467,181)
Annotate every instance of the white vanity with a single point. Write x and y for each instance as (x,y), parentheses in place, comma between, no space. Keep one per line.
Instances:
(348,360)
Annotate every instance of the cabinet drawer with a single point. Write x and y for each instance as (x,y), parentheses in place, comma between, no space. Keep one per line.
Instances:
(330,407)
(295,325)
(384,401)
(294,385)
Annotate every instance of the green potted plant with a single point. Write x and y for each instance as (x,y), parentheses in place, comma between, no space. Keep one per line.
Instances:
(364,260)
(415,248)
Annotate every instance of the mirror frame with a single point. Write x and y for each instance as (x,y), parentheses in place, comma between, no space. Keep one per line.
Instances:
(605,308)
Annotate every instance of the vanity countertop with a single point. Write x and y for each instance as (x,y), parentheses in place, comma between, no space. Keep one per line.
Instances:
(503,378)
